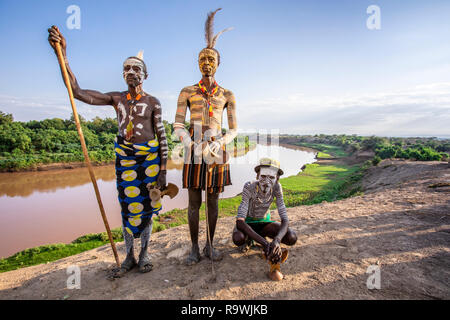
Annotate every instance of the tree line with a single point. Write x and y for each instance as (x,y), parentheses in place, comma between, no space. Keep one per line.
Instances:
(414,148)
(27,144)
(24,145)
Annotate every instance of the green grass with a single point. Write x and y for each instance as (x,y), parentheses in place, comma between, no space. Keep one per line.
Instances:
(323,155)
(315,184)
(334,151)
(43,254)
(319,183)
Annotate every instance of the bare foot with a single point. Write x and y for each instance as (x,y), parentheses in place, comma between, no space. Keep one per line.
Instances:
(216,254)
(127,265)
(194,256)
(246,246)
(144,264)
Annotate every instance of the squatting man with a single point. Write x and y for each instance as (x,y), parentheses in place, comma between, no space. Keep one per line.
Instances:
(253,221)
(141,151)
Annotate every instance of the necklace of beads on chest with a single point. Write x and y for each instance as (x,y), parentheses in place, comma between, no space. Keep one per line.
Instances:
(209,94)
(131,105)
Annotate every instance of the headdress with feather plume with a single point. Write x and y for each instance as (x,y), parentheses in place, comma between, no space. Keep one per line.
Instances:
(210,38)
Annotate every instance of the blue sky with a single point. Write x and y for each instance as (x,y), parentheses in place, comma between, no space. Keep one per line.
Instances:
(296,66)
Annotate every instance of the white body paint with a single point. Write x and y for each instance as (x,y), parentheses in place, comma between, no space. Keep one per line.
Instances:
(123,113)
(134,62)
(143,106)
(268,171)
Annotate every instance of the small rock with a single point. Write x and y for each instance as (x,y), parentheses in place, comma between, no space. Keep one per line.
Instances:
(178,253)
(342,242)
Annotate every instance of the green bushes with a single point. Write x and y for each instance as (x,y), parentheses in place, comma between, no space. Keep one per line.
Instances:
(421,153)
(423,149)
(25,145)
(376,160)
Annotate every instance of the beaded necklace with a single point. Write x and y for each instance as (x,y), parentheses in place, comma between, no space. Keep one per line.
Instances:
(131,105)
(209,95)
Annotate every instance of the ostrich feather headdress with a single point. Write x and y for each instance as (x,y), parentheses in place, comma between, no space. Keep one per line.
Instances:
(210,38)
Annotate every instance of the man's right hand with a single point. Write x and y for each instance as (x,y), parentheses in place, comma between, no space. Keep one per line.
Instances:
(54,35)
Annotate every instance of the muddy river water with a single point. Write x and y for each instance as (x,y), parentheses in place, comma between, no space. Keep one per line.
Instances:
(58,206)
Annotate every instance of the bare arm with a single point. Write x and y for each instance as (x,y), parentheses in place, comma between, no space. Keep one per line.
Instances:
(87,96)
(231,116)
(275,247)
(180,116)
(160,132)
(282,212)
(242,226)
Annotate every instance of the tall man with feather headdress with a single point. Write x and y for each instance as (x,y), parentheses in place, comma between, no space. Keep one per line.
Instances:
(141,151)
(207,102)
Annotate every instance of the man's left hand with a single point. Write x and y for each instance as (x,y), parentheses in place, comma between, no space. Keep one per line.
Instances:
(161,181)
(275,251)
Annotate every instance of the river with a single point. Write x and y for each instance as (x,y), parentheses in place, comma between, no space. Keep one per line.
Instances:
(58,206)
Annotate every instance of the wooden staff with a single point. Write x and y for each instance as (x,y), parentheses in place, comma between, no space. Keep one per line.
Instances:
(207,223)
(83,146)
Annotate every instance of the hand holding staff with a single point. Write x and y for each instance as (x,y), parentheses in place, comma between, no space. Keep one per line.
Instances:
(56,41)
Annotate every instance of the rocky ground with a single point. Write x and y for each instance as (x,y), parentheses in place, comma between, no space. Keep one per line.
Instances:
(401,224)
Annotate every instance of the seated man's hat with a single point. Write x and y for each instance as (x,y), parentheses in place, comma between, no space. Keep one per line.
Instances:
(267,162)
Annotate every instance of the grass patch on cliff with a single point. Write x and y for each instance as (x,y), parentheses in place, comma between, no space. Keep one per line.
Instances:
(323,155)
(319,183)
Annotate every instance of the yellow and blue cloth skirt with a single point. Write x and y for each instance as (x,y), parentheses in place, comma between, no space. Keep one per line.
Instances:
(137,168)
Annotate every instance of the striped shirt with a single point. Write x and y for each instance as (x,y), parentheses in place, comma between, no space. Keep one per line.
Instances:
(251,207)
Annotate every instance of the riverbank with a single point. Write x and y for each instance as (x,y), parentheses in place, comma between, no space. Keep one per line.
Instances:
(236,152)
(316,183)
(399,226)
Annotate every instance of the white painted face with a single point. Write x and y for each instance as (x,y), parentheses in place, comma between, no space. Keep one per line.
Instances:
(267,178)
(133,72)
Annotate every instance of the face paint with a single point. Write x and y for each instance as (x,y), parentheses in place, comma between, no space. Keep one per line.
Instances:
(133,72)
(208,62)
(267,178)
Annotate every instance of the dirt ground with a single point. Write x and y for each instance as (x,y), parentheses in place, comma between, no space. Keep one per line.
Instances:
(401,224)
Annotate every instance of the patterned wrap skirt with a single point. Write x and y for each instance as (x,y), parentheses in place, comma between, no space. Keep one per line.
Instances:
(137,167)
(194,175)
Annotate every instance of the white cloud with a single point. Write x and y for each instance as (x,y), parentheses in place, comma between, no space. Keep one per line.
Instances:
(39,108)
(422,110)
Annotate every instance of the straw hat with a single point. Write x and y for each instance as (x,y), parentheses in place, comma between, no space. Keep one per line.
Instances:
(270,163)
